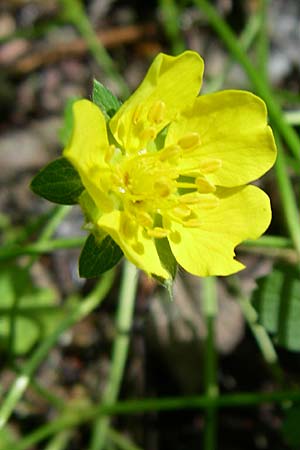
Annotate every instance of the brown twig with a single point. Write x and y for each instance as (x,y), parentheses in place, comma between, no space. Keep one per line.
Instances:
(111,38)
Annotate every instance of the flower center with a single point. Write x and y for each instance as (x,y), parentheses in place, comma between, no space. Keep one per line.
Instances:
(149,186)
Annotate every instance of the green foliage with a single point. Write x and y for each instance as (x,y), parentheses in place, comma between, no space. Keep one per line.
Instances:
(28,310)
(105,99)
(290,427)
(166,256)
(277,301)
(98,256)
(58,182)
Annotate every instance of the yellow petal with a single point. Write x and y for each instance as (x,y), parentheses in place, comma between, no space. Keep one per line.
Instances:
(170,85)
(137,248)
(243,213)
(232,126)
(88,148)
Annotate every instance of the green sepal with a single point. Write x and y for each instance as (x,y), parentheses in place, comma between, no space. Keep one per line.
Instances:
(98,256)
(277,302)
(166,256)
(105,99)
(58,182)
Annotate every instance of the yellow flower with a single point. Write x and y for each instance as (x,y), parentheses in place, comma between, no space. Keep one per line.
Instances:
(174,165)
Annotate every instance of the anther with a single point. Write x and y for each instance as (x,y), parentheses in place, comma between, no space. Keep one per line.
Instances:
(162,187)
(128,229)
(204,186)
(182,211)
(109,153)
(148,134)
(193,223)
(145,219)
(189,141)
(137,113)
(210,202)
(157,232)
(210,165)
(169,152)
(190,199)
(156,112)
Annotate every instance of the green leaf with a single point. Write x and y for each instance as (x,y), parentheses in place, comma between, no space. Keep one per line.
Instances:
(277,301)
(290,427)
(98,256)
(58,182)
(105,99)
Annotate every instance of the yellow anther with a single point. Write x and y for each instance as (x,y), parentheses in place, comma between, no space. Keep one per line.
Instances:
(190,199)
(210,165)
(169,152)
(138,248)
(156,112)
(189,141)
(210,202)
(204,186)
(175,237)
(109,153)
(182,211)
(127,227)
(137,113)
(193,223)
(148,134)
(145,219)
(162,187)
(157,232)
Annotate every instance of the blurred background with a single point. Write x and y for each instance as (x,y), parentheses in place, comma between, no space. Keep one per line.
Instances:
(48,57)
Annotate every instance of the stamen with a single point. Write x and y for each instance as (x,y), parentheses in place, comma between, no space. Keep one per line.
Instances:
(127,227)
(189,141)
(182,211)
(137,113)
(193,223)
(138,248)
(109,153)
(210,165)
(204,186)
(162,186)
(156,112)
(169,152)
(148,134)
(208,202)
(190,199)
(157,232)
(145,219)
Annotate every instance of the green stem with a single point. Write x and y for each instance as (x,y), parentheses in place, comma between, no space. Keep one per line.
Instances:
(60,441)
(262,338)
(259,84)
(263,42)
(119,353)
(246,39)
(80,416)
(74,11)
(288,200)
(171,20)
(58,213)
(210,308)
(12,251)
(80,310)
(269,241)
(121,441)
